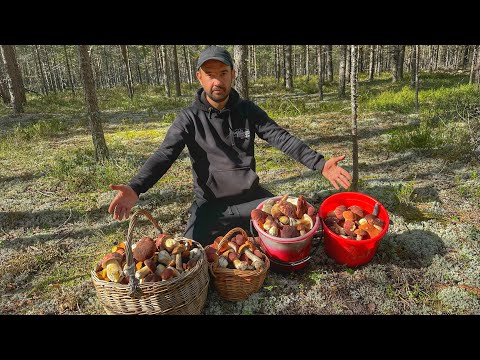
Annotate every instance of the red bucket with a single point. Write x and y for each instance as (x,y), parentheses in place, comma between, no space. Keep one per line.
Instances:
(287,254)
(345,251)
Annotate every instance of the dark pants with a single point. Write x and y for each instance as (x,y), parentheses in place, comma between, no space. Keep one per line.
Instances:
(213,219)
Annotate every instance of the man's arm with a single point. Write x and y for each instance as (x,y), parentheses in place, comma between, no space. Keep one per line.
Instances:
(160,161)
(268,130)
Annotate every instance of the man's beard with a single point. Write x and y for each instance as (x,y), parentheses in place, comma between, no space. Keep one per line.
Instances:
(218,98)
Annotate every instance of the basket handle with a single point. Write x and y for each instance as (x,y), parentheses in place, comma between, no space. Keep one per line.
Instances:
(228,235)
(133,284)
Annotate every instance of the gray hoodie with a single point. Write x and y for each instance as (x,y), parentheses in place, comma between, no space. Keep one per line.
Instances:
(221,148)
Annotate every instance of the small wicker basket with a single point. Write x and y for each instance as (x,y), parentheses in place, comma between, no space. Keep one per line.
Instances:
(183,295)
(234,284)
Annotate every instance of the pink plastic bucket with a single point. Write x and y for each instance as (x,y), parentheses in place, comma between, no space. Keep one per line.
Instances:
(288,254)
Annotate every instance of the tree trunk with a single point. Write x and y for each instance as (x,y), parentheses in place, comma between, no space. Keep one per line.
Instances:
(254,55)
(401,60)
(50,78)
(176,72)
(353,97)
(371,68)
(14,78)
(186,55)
(155,58)
(417,61)
(288,67)
(474,60)
(241,68)
(347,64)
(128,70)
(165,70)
(413,67)
(329,64)
(341,71)
(145,64)
(394,54)
(278,66)
(101,150)
(40,64)
(4,93)
(307,63)
(320,71)
(69,72)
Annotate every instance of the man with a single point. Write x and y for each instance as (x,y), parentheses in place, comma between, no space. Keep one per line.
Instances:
(219,130)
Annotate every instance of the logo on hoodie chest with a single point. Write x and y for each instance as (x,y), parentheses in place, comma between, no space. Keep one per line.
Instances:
(241,133)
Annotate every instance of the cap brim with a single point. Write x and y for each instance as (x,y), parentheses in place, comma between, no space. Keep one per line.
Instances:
(226,62)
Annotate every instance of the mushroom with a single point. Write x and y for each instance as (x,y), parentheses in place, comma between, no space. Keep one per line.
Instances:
(195,254)
(152,277)
(164,257)
(357,210)
(267,207)
(111,263)
(349,227)
(222,261)
(349,215)
(288,231)
(191,264)
(370,229)
(302,207)
(211,253)
(160,242)
(145,249)
(259,216)
(177,252)
(248,249)
(159,269)
(339,211)
(239,239)
(147,269)
(360,233)
(170,244)
(376,209)
(375,221)
(169,273)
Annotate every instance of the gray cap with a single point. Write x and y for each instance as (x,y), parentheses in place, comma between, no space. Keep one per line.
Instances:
(214,52)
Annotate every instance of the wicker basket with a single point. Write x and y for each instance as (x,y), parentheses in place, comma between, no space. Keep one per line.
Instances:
(183,295)
(234,284)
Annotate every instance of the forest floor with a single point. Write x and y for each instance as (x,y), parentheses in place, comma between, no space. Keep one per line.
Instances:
(54,224)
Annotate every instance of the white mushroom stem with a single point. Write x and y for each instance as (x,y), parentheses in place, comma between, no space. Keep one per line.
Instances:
(240,265)
(256,261)
(141,273)
(178,262)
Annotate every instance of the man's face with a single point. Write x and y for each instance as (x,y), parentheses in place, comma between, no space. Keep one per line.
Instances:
(216,79)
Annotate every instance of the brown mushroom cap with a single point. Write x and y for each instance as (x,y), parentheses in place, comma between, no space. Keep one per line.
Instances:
(360,232)
(111,256)
(145,249)
(357,210)
(160,241)
(178,249)
(151,264)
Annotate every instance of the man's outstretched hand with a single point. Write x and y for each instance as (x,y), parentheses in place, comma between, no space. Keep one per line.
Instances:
(336,174)
(123,201)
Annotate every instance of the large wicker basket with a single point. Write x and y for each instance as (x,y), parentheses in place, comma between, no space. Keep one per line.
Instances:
(234,284)
(183,295)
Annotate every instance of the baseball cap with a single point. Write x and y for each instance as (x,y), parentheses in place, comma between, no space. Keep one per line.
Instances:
(214,52)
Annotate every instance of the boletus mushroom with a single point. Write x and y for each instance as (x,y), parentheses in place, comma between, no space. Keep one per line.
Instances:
(111,263)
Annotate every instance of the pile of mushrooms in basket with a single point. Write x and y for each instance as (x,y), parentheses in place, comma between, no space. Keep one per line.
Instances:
(155,260)
(238,253)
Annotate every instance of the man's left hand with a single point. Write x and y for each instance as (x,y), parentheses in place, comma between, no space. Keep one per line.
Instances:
(336,174)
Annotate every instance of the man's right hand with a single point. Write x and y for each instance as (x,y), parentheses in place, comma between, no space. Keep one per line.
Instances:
(123,201)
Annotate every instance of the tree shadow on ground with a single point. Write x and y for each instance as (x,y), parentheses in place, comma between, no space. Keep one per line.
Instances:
(410,249)
(22,177)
